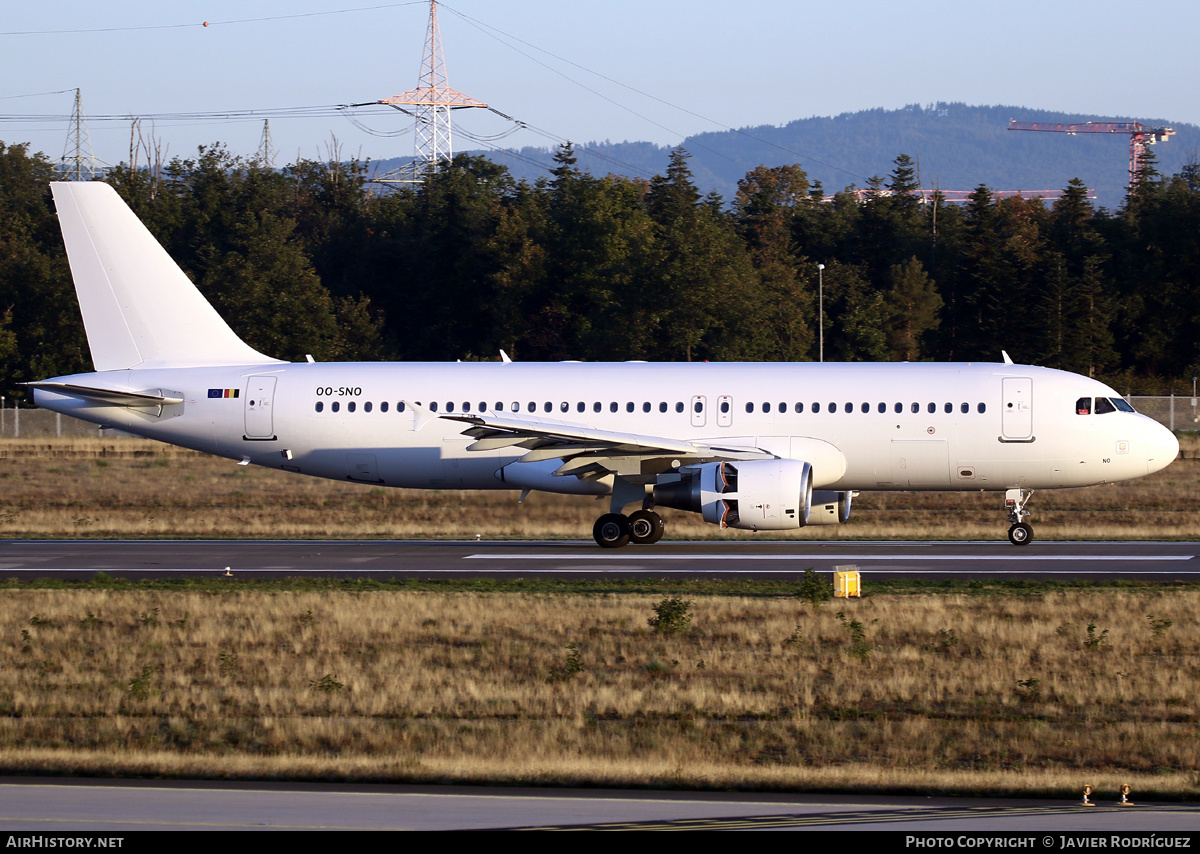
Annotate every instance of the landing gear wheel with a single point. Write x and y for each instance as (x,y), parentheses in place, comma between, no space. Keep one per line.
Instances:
(646,527)
(1020,534)
(612,531)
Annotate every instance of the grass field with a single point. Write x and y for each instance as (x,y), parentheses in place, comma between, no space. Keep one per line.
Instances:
(1034,694)
(1020,692)
(134,488)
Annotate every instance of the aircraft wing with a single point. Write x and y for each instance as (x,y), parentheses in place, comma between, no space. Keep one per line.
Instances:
(586,451)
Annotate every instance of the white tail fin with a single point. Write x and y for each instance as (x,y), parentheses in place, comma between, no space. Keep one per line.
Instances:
(139,309)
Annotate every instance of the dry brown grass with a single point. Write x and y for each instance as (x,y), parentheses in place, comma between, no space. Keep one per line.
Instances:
(957,693)
(135,488)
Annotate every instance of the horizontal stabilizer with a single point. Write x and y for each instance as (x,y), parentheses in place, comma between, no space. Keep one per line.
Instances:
(111,397)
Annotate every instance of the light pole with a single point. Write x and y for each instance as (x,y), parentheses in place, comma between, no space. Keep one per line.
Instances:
(821,308)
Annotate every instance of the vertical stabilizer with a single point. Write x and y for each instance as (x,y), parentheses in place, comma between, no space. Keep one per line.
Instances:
(139,309)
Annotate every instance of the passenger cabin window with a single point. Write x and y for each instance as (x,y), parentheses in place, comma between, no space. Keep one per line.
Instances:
(849,407)
(367,406)
(816,407)
(899,408)
(383,407)
(433,406)
(564,406)
(799,408)
(548,406)
(866,407)
(724,405)
(679,406)
(932,408)
(832,408)
(579,407)
(629,406)
(612,407)
(982,408)
(749,407)
(335,406)
(532,406)
(766,407)
(320,406)
(400,406)
(949,408)
(699,407)
(965,408)
(662,407)
(882,408)
(916,408)
(646,406)
(596,407)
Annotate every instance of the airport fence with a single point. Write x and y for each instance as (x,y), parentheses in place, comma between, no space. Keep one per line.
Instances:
(1174,412)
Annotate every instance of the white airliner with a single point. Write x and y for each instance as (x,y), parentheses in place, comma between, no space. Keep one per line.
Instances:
(763,447)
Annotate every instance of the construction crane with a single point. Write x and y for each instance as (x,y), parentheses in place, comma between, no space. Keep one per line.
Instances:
(1139,135)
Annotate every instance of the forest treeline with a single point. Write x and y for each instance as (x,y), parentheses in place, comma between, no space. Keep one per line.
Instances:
(309,260)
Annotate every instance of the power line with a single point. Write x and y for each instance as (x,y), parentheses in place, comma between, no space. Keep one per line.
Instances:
(203,24)
(480,25)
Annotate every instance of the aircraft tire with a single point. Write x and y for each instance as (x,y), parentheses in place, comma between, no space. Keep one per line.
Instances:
(1020,534)
(646,527)
(612,531)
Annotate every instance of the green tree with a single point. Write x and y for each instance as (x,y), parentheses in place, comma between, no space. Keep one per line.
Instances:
(42,334)
(765,207)
(915,308)
(703,281)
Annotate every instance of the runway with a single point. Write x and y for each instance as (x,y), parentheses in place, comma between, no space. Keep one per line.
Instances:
(1148,561)
(115,807)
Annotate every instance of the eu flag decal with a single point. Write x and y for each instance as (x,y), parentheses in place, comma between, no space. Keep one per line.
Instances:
(223,392)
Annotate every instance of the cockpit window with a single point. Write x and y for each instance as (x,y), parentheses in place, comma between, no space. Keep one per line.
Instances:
(1123,405)
(1104,406)
(1083,406)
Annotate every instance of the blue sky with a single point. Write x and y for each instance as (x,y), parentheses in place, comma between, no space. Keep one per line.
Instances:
(714,64)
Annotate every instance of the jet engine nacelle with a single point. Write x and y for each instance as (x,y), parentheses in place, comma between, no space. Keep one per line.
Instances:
(756,495)
(830,508)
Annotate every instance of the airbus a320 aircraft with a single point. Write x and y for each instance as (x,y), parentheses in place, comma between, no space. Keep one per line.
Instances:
(763,447)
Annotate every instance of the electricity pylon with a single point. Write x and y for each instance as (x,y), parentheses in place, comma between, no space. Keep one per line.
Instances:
(78,162)
(432,100)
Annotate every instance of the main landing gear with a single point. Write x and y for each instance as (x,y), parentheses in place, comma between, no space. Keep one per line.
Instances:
(614,530)
(1021,532)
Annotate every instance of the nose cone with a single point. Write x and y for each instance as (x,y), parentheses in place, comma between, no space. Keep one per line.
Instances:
(1161,447)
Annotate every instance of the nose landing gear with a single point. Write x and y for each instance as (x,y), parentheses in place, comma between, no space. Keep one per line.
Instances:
(1021,532)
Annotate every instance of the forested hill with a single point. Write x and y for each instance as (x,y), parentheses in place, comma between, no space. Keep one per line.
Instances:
(958,147)
(307,259)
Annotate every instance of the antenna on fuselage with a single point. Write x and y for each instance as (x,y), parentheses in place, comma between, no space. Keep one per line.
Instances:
(1007,358)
